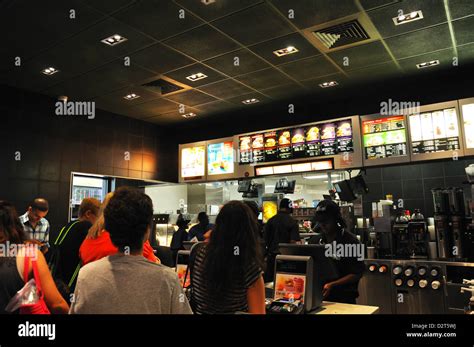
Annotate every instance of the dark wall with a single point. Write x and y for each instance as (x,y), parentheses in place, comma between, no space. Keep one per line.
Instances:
(413,183)
(52,146)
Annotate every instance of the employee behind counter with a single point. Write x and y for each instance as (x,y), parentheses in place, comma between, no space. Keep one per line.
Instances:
(329,223)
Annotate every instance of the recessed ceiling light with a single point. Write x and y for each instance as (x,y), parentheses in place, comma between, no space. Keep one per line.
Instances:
(208,2)
(131,96)
(49,71)
(285,51)
(427,64)
(196,77)
(328,84)
(114,40)
(407,18)
(189,115)
(250,101)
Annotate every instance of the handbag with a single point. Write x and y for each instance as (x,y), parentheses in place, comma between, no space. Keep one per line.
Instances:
(39,306)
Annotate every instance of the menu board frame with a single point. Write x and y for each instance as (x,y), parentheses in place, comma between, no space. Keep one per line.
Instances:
(461,103)
(202,178)
(220,177)
(438,155)
(384,161)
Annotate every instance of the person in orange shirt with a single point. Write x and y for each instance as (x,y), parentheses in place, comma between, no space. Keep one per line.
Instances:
(98,244)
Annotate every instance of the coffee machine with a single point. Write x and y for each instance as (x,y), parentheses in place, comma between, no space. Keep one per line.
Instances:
(410,236)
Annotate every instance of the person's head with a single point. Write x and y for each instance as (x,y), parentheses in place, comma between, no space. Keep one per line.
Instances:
(181,222)
(89,210)
(11,229)
(128,218)
(286,205)
(96,228)
(38,210)
(328,218)
(203,218)
(233,245)
(253,207)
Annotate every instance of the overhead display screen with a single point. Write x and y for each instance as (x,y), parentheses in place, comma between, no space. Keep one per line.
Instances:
(468,118)
(220,158)
(193,161)
(436,131)
(301,142)
(384,137)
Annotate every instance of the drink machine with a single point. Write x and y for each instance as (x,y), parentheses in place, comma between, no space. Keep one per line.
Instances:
(441,214)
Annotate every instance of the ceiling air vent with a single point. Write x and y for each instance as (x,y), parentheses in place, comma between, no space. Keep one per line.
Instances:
(342,34)
(164,86)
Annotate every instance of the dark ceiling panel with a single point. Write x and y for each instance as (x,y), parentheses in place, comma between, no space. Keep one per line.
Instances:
(264,79)
(308,13)
(217,9)
(202,43)
(464,30)
(227,63)
(433,13)
(309,68)
(181,74)
(254,25)
(158,18)
(314,83)
(266,49)
(445,58)
(374,72)
(173,116)
(238,100)
(108,6)
(116,99)
(160,58)
(226,89)
(155,107)
(191,98)
(466,54)
(372,4)
(420,42)
(215,106)
(361,56)
(284,91)
(461,8)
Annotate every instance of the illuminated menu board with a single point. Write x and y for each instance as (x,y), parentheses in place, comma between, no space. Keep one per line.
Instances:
(384,137)
(220,158)
(301,142)
(193,161)
(436,131)
(468,117)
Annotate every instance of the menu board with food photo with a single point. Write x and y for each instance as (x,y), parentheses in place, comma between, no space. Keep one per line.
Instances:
(289,287)
(344,136)
(468,117)
(384,137)
(245,149)
(193,161)
(436,131)
(258,150)
(298,143)
(284,144)
(328,139)
(313,141)
(220,158)
(270,146)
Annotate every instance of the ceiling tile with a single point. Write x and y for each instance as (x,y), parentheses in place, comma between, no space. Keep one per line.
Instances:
(372,4)
(420,42)
(445,58)
(264,79)
(253,25)
(226,89)
(433,13)
(466,54)
(309,68)
(237,63)
(181,74)
(308,13)
(173,116)
(158,18)
(464,30)
(116,99)
(108,6)
(374,72)
(202,43)
(461,8)
(361,56)
(160,58)
(191,98)
(314,83)
(217,9)
(283,91)
(155,107)
(266,49)
(214,107)
(254,95)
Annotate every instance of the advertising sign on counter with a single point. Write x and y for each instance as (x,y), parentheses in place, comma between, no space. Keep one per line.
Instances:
(384,137)
(220,158)
(289,286)
(193,161)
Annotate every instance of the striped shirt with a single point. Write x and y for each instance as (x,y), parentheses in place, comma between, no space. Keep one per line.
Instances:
(40,233)
(229,301)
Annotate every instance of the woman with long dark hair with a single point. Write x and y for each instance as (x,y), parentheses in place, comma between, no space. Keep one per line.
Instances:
(226,274)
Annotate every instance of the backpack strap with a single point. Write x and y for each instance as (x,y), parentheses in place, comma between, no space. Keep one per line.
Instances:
(74,275)
(60,240)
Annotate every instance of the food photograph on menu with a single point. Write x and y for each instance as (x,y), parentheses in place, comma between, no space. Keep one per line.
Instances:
(384,137)
(193,162)
(344,136)
(220,158)
(298,143)
(313,141)
(289,287)
(270,140)
(245,149)
(328,139)
(258,148)
(284,144)
(436,131)
(468,118)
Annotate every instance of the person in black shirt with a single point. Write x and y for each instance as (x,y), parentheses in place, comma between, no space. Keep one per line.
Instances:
(70,239)
(200,229)
(281,228)
(179,236)
(348,260)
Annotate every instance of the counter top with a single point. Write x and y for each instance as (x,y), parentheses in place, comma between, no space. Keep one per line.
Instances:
(329,307)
